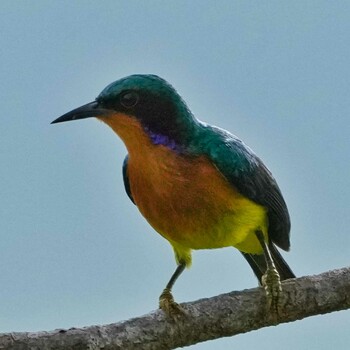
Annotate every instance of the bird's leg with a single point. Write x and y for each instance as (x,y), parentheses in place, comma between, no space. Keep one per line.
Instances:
(271,280)
(166,299)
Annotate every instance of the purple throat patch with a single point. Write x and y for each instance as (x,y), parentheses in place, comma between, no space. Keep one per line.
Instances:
(159,139)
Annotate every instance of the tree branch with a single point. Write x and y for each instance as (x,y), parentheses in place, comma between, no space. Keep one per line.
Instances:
(212,318)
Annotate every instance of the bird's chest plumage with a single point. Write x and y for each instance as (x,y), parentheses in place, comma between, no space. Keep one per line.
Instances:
(185,198)
(188,201)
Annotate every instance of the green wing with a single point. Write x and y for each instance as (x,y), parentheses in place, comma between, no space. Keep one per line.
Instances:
(246,172)
(126,179)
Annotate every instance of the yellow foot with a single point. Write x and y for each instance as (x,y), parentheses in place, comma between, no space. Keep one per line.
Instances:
(168,304)
(272,283)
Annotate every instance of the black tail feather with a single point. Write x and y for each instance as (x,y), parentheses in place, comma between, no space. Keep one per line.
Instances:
(258,264)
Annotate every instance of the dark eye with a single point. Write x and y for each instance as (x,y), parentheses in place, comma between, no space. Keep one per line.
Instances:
(129,99)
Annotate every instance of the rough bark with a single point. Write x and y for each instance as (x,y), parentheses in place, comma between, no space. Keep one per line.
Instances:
(221,316)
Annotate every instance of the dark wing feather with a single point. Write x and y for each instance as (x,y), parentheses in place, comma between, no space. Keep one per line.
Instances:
(126,179)
(246,172)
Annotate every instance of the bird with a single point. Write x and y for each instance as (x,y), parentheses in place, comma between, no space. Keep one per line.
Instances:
(197,185)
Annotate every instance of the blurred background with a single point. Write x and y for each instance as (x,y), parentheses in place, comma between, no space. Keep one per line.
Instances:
(74,250)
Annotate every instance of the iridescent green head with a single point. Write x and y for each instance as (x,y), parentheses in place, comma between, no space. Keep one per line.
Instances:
(148,98)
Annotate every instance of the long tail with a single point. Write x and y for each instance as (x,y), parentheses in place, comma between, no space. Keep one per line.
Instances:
(258,264)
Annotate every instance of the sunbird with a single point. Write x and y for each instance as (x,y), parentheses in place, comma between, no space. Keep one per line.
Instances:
(198,186)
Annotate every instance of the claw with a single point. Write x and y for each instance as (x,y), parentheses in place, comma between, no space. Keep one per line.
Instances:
(272,283)
(169,306)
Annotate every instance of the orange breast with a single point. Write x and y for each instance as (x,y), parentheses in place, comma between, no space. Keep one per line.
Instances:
(186,199)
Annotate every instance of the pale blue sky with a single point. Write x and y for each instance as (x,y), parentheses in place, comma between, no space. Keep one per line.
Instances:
(74,250)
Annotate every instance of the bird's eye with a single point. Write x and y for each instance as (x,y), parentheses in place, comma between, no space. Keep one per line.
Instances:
(129,99)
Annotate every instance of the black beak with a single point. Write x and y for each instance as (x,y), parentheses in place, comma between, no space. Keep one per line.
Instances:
(89,110)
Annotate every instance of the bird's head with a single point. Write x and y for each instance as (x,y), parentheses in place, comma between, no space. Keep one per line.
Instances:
(140,103)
